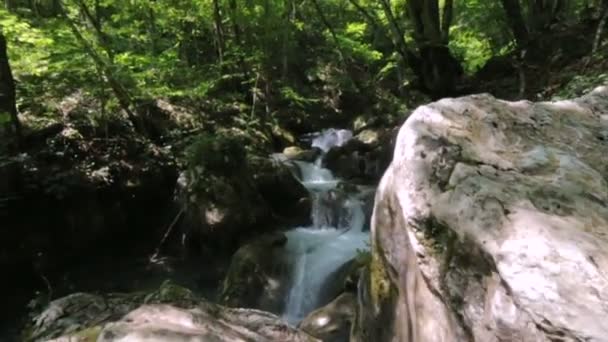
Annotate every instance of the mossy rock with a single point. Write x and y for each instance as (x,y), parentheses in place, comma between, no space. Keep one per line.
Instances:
(344,279)
(80,315)
(256,277)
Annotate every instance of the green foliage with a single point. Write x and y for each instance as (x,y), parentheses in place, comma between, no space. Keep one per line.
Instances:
(471,47)
(290,95)
(211,160)
(581,84)
(29,46)
(216,153)
(363,256)
(5,118)
(288,55)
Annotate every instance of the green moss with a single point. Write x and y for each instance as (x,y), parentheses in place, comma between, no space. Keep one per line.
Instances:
(171,292)
(380,287)
(437,237)
(87,335)
(213,159)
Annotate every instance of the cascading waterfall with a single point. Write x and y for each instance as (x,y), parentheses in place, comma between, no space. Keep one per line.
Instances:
(336,234)
(331,138)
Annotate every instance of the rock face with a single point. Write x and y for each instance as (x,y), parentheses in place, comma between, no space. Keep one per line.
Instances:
(297,153)
(491,224)
(364,157)
(229,202)
(332,322)
(292,202)
(149,317)
(207,322)
(343,279)
(257,277)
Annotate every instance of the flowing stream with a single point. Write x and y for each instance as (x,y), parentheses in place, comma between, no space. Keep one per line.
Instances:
(336,234)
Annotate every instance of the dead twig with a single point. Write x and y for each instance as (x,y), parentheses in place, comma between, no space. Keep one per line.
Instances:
(154,256)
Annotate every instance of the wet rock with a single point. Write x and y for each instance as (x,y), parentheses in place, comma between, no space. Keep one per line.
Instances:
(281,190)
(332,322)
(206,322)
(89,196)
(230,199)
(336,208)
(490,225)
(344,279)
(297,153)
(78,312)
(170,314)
(369,136)
(258,275)
(363,158)
(219,220)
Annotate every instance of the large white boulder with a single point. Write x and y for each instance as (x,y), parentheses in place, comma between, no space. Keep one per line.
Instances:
(491,224)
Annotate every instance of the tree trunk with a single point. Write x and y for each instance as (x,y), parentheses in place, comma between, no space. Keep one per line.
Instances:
(152,30)
(95,22)
(10,5)
(446,20)
(290,16)
(341,53)
(516,22)
(435,66)
(372,21)
(598,33)
(236,30)
(398,39)
(543,13)
(7,91)
(104,67)
(219,32)
(424,14)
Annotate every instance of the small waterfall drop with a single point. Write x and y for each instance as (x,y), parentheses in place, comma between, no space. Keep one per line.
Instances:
(330,138)
(334,238)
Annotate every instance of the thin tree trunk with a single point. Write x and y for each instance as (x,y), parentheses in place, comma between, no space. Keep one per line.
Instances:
(7,91)
(152,30)
(436,66)
(236,29)
(516,22)
(598,32)
(219,32)
(542,13)
(290,13)
(333,34)
(399,39)
(95,22)
(122,95)
(446,20)
(34,7)
(425,16)
(372,21)
(10,5)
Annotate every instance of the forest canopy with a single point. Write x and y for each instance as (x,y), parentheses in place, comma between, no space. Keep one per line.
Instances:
(271,56)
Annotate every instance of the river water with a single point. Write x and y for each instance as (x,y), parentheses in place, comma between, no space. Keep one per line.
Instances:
(337,233)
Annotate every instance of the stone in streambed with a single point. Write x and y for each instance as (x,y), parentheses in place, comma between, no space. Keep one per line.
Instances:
(171,314)
(332,322)
(258,275)
(297,153)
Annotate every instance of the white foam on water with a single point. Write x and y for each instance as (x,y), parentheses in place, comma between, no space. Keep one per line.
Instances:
(330,138)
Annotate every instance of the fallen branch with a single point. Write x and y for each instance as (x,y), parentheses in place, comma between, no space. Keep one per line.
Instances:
(154,256)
